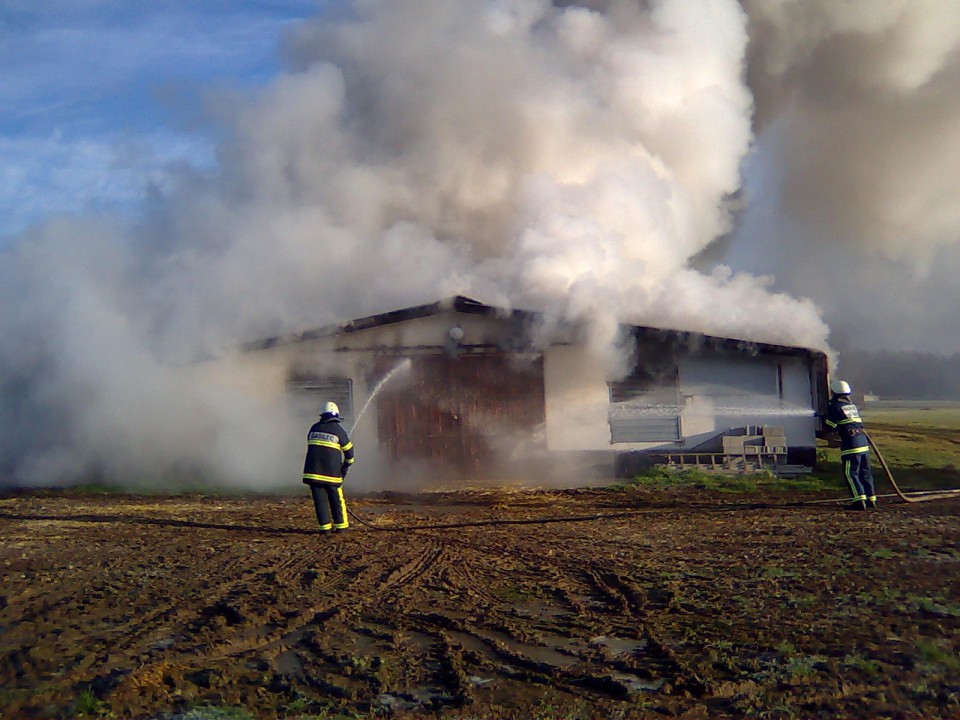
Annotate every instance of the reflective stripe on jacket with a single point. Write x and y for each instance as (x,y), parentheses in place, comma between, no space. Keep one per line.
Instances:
(844,417)
(329,451)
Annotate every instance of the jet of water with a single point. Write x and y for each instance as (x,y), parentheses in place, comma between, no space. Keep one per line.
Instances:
(398,368)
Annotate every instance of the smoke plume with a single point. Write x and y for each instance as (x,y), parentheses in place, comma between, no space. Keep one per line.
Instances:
(572,156)
(852,187)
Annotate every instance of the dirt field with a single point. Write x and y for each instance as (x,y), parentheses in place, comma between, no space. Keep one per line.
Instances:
(676,605)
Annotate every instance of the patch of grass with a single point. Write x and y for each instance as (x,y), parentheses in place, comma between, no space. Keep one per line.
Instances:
(932,654)
(920,418)
(934,606)
(800,669)
(775,572)
(665,478)
(864,665)
(88,705)
(304,708)
(921,445)
(882,553)
(804,667)
(880,596)
(814,482)
(620,487)
(777,712)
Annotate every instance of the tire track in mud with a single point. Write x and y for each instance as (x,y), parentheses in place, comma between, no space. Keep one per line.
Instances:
(368,584)
(627,600)
(90,598)
(604,598)
(224,631)
(490,640)
(622,616)
(130,644)
(297,650)
(390,600)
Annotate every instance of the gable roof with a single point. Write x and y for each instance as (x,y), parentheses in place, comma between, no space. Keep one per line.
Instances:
(469,306)
(458,303)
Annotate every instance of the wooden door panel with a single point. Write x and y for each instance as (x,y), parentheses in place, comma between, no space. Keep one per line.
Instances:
(451,408)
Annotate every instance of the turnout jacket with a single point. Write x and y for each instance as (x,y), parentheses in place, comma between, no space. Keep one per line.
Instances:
(329,453)
(844,417)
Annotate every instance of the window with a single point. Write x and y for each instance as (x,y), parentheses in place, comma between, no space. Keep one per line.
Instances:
(645,406)
(309,394)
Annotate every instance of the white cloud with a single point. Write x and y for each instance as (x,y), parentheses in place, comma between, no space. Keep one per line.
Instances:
(43,176)
(97,95)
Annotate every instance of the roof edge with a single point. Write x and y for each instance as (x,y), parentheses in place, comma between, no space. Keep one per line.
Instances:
(470,306)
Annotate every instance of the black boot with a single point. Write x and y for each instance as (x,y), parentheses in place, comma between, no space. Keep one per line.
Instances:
(857,505)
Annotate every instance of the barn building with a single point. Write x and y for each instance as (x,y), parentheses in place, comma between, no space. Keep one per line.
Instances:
(479,391)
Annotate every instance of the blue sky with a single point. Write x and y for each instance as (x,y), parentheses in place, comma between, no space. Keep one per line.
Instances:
(101,96)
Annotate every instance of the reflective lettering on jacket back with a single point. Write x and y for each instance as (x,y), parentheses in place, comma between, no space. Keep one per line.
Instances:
(331,438)
(850,412)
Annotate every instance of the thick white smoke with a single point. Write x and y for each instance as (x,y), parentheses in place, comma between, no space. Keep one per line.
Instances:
(573,157)
(853,194)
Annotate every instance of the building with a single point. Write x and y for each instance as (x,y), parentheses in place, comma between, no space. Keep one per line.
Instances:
(471,390)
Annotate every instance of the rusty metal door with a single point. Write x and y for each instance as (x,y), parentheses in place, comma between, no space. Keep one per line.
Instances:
(461,412)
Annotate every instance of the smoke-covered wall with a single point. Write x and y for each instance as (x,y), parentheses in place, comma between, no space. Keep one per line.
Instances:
(581,158)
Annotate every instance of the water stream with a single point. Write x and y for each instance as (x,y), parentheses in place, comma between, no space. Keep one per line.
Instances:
(398,368)
(629,410)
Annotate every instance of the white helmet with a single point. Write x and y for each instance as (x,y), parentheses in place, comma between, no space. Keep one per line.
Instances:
(330,408)
(840,387)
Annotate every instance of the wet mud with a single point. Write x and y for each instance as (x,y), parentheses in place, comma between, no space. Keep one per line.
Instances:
(482,604)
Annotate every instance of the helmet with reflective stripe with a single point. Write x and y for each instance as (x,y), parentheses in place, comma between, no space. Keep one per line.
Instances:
(840,387)
(330,409)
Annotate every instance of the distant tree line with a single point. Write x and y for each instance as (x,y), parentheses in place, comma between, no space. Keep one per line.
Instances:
(902,375)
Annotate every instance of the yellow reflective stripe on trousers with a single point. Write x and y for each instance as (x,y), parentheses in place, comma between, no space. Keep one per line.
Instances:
(322,478)
(853,486)
(343,510)
(854,451)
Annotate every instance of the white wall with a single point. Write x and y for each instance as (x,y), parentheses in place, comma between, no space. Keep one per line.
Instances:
(577,400)
(716,393)
(721,392)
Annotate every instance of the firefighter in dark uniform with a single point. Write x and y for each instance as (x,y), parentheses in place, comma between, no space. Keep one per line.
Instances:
(329,456)
(844,417)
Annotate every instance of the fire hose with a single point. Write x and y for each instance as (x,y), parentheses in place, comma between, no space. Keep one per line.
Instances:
(911,497)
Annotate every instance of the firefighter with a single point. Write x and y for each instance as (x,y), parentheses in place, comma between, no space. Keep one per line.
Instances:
(329,456)
(844,418)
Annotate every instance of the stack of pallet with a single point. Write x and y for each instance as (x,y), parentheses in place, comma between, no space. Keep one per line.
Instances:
(759,448)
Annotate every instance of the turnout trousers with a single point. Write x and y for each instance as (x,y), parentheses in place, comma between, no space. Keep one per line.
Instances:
(330,506)
(856,469)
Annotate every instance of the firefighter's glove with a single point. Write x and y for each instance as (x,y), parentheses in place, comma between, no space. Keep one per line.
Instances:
(343,470)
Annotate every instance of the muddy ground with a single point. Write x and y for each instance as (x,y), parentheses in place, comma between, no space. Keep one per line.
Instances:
(675,604)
